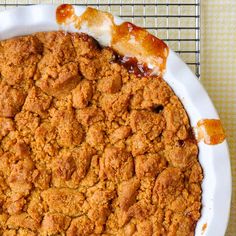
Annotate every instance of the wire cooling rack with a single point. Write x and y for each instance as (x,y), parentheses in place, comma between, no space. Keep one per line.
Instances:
(177,22)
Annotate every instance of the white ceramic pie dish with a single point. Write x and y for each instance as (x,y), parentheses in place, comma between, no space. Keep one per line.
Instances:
(214,159)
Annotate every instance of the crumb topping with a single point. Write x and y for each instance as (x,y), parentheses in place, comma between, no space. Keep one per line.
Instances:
(87,148)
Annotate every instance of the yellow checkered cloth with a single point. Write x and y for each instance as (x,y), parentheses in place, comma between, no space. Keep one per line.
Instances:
(218,73)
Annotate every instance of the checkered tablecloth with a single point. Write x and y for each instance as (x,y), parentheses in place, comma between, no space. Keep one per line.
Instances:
(218,73)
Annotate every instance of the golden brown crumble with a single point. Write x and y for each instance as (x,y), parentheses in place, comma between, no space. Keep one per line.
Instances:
(87,148)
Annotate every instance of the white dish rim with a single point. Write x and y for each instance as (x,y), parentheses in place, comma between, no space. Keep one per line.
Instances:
(215,160)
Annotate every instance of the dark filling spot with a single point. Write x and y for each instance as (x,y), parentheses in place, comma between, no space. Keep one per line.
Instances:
(181,143)
(191,135)
(132,65)
(157,108)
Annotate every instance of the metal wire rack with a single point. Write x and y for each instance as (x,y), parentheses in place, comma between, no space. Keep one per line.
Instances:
(177,22)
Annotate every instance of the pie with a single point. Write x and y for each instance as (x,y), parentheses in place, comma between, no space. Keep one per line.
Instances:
(89,148)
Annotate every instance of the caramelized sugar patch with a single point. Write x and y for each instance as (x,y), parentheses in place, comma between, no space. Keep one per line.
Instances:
(145,52)
(210,131)
(64,13)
